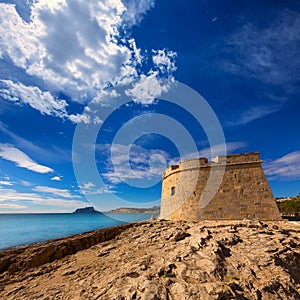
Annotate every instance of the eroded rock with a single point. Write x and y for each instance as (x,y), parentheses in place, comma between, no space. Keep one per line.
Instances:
(207,260)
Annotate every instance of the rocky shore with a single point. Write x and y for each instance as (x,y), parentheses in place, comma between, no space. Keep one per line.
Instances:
(160,260)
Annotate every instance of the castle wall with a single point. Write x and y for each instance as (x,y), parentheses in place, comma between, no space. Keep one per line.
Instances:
(244,192)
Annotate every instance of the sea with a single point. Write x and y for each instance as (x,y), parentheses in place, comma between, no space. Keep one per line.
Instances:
(25,229)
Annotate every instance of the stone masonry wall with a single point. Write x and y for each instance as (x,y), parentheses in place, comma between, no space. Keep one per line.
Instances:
(243,193)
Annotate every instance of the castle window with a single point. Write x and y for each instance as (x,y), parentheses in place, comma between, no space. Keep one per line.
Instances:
(172,190)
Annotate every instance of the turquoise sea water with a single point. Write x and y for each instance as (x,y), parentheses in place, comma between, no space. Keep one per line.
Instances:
(23,229)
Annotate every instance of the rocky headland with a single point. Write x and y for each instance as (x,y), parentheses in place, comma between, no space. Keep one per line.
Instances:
(130,210)
(160,260)
(86,210)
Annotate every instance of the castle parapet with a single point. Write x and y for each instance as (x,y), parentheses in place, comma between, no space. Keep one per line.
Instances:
(202,162)
(193,163)
(171,170)
(237,158)
(186,165)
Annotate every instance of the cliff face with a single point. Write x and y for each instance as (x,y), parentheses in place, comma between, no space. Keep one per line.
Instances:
(162,260)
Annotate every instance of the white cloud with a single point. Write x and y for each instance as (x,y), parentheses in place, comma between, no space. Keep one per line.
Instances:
(73,45)
(137,52)
(44,102)
(21,159)
(164,60)
(148,88)
(13,33)
(255,113)
(56,178)
(97,120)
(137,163)
(287,166)
(83,118)
(13,195)
(10,197)
(5,182)
(11,206)
(89,188)
(25,183)
(53,153)
(57,192)
(136,9)
(87,185)
(78,48)
(134,163)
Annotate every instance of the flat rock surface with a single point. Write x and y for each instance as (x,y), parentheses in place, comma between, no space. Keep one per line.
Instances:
(172,260)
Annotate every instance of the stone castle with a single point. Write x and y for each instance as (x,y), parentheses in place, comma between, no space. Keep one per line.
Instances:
(229,187)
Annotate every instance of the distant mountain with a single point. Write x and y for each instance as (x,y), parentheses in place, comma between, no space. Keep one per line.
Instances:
(129,210)
(86,210)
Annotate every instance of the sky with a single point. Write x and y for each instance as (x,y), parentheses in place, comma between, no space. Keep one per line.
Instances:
(97,98)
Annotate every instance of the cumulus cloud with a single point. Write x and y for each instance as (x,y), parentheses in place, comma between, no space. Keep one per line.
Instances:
(78,48)
(151,85)
(83,118)
(285,167)
(70,44)
(148,88)
(10,153)
(73,45)
(164,60)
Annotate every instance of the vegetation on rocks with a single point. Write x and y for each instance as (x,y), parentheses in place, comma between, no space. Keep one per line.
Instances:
(290,206)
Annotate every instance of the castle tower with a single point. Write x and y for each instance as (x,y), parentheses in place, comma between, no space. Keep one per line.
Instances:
(230,187)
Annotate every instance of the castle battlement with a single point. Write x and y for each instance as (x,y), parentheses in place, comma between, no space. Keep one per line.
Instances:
(236,184)
(202,162)
(237,158)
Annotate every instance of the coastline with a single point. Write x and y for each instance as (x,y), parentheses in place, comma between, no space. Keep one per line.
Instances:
(24,257)
(160,260)
(27,229)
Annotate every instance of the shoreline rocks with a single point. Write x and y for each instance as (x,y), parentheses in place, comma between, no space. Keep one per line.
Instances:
(25,257)
(168,260)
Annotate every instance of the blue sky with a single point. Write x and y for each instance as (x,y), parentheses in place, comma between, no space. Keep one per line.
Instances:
(98,97)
